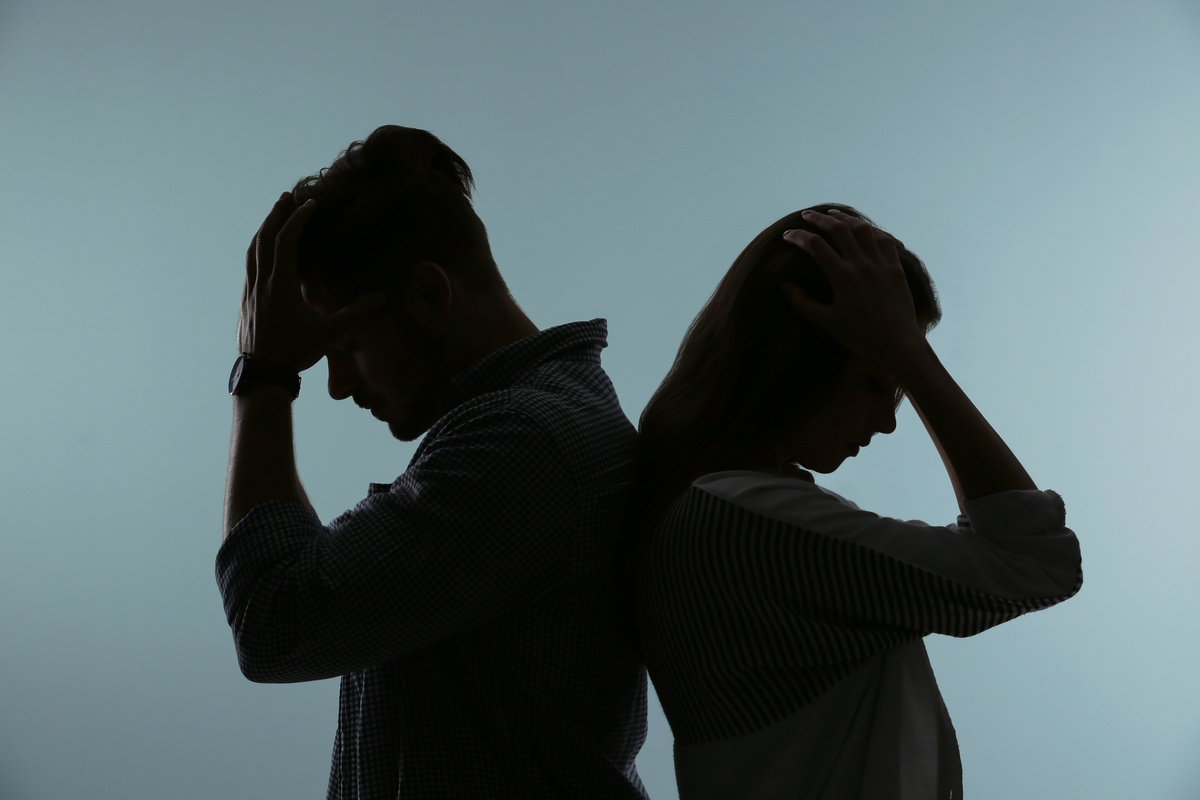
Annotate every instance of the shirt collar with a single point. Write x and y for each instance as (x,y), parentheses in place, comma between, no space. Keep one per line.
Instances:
(576,341)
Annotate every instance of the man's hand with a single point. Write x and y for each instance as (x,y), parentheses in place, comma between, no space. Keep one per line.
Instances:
(276,325)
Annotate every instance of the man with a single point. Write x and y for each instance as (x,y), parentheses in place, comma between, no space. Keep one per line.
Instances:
(473,607)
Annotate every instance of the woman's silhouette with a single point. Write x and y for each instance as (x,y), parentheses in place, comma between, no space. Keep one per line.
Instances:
(782,625)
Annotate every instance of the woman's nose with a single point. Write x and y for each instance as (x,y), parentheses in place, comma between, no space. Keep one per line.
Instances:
(885,418)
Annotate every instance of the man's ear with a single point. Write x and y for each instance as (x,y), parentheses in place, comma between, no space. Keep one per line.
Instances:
(429,294)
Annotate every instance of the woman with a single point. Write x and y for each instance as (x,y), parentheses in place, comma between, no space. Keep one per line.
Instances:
(782,625)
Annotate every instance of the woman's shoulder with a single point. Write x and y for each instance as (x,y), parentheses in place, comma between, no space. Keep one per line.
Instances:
(760,490)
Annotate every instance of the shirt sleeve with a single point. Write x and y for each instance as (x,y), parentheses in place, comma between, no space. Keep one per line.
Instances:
(477,525)
(1010,554)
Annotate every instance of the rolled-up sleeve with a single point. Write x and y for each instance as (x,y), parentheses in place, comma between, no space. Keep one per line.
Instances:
(1010,554)
(472,529)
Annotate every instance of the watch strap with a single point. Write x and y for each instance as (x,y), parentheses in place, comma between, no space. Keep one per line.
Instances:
(248,372)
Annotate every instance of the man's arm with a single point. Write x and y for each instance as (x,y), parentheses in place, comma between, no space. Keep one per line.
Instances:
(277,327)
(482,524)
(262,461)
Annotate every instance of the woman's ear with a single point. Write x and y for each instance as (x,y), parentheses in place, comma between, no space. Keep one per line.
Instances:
(429,294)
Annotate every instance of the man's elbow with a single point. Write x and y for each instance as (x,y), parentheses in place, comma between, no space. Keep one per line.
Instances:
(258,669)
(264,655)
(260,664)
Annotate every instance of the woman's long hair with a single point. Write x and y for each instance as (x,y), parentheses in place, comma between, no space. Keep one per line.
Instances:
(748,366)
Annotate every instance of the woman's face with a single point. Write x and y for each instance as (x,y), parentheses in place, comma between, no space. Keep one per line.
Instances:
(862,402)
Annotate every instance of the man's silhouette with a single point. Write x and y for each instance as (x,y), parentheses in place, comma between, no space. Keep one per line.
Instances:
(472,607)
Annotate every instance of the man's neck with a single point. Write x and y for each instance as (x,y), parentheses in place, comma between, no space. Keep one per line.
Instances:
(488,324)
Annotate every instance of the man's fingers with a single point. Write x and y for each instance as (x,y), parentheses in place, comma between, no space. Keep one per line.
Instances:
(265,241)
(251,266)
(286,239)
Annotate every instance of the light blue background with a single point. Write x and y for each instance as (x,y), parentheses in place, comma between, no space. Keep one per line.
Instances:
(1042,157)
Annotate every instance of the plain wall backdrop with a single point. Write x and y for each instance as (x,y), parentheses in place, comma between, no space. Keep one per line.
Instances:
(1040,156)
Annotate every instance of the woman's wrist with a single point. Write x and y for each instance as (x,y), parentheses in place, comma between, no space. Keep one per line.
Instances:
(913,362)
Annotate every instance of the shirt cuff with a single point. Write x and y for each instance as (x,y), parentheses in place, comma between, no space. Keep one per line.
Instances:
(1016,513)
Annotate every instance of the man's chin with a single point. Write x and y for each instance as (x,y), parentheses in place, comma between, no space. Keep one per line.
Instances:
(406,432)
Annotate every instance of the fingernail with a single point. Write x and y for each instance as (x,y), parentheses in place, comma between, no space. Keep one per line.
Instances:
(808,212)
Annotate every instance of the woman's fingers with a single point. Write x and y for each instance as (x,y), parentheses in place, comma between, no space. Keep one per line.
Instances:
(839,231)
(816,246)
(862,231)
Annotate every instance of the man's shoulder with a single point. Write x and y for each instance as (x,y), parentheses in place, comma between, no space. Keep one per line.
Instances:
(546,417)
(547,401)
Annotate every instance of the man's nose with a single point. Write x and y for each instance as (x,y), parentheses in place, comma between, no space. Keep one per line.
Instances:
(343,379)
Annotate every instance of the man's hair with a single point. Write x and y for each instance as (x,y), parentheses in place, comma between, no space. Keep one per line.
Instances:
(749,366)
(398,197)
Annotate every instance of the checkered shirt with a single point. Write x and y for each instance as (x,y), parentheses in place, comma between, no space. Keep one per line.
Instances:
(474,607)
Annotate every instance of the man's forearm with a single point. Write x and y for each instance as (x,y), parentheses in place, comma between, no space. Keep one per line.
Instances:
(262,460)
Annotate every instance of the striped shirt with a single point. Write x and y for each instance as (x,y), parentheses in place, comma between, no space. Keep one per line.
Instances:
(778,615)
(473,606)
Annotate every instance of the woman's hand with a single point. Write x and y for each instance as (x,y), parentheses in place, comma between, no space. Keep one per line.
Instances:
(872,311)
(872,315)
(276,325)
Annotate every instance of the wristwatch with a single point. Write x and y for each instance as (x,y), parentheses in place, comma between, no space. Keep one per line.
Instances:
(248,372)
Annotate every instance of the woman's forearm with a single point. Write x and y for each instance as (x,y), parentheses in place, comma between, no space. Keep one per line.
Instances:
(977,459)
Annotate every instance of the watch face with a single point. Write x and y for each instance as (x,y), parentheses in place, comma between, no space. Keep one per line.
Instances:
(236,375)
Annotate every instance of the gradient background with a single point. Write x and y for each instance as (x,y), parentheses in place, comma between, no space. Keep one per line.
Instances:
(1042,157)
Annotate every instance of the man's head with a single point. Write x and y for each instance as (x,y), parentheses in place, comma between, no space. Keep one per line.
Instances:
(393,215)
(388,202)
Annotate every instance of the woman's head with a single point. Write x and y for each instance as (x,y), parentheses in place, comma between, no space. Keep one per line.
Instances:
(749,368)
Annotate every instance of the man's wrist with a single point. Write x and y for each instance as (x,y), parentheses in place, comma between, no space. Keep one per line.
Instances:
(249,374)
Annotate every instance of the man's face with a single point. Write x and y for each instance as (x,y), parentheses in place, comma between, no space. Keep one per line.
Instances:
(390,366)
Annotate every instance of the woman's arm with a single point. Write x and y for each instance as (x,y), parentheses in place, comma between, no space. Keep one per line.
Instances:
(872,315)
(977,459)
